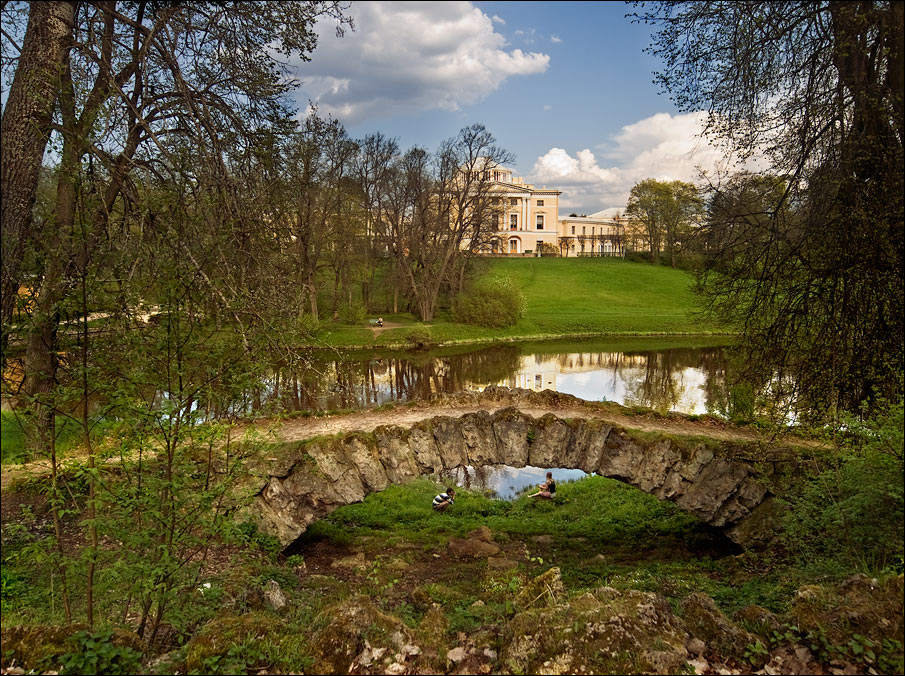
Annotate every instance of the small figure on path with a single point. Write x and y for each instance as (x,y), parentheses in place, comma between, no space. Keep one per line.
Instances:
(547,489)
(444,500)
(380,321)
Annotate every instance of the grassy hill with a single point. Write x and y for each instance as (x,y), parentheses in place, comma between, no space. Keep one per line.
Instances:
(605,295)
(566,297)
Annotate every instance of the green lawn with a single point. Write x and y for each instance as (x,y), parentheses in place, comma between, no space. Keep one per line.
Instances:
(604,294)
(569,297)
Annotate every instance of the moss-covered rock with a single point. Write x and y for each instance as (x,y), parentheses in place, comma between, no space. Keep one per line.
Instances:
(32,646)
(220,637)
(860,605)
(608,631)
(758,620)
(40,646)
(705,621)
(431,635)
(350,628)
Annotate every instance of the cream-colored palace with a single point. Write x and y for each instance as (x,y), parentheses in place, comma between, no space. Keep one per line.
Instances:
(528,223)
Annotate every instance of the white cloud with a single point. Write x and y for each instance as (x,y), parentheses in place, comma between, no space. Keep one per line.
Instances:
(663,146)
(407,57)
(555,38)
(498,19)
(547,106)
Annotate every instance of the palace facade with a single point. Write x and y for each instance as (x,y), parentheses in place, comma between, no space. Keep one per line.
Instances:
(528,223)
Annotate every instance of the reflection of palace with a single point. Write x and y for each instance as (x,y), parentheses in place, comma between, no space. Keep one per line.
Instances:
(539,372)
(533,374)
(677,379)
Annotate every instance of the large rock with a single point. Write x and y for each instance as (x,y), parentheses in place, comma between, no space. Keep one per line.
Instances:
(510,427)
(450,441)
(705,621)
(356,631)
(424,447)
(396,454)
(608,631)
(551,443)
(480,442)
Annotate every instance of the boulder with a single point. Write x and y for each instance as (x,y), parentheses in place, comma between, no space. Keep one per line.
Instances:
(396,454)
(510,428)
(355,629)
(450,441)
(552,437)
(705,621)
(480,443)
(608,631)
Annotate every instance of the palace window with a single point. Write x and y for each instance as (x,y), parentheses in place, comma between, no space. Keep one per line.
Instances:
(573,229)
(540,203)
(593,230)
(540,221)
(583,228)
(513,201)
(513,221)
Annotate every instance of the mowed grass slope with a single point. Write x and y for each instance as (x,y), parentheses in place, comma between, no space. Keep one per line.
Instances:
(567,297)
(605,295)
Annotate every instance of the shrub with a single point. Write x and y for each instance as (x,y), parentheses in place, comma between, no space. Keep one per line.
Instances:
(419,336)
(354,313)
(98,653)
(853,511)
(493,304)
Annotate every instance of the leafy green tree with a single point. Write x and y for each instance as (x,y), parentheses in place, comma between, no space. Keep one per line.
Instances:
(815,89)
(668,210)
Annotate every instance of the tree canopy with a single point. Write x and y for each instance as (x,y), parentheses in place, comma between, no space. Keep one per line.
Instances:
(814,280)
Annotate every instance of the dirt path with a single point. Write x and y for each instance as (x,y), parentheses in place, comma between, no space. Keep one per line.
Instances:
(366,421)
(377,330)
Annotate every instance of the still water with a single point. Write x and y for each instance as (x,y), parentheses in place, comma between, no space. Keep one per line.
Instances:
(664,375)
(505,482)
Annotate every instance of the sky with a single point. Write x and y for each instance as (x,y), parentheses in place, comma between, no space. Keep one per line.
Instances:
(565,86)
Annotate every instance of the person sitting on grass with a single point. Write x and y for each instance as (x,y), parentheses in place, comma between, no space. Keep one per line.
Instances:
(444,500)
(547,489)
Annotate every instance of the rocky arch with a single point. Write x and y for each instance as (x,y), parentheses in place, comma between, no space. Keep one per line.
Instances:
(305,481)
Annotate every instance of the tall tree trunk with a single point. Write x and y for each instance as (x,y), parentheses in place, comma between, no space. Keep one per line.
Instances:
(40,355)
(25,131)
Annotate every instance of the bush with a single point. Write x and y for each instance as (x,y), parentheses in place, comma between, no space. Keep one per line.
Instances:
(419,336)
(853,511)
(493,304)
(353,313)
(98,653)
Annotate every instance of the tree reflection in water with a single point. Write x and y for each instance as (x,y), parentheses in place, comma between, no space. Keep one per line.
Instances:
(686,379)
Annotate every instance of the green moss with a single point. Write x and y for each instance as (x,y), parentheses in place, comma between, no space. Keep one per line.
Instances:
(231,644)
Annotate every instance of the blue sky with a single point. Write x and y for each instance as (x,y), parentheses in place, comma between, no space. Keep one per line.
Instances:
(565,86)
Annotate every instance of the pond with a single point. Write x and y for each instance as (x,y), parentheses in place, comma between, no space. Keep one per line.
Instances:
(663,375)
(505,482)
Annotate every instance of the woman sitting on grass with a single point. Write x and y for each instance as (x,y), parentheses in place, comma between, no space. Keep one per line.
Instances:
(547,489)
